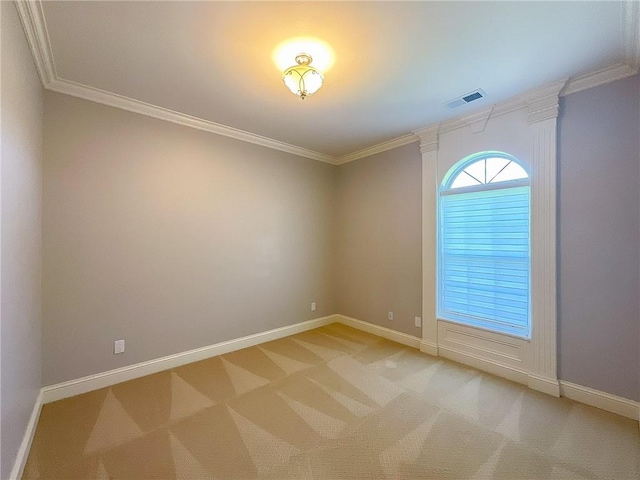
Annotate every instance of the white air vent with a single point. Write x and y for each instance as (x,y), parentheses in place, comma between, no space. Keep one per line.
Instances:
(466,98)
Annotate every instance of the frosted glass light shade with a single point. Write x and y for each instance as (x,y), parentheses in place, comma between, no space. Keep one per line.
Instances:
(302,79)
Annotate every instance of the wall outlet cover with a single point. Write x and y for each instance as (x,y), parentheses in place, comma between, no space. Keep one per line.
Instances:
(118,347)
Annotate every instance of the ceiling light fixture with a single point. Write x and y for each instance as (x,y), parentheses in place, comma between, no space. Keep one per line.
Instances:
(302,79)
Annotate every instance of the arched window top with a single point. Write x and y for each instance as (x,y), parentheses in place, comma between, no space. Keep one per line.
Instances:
(486,168)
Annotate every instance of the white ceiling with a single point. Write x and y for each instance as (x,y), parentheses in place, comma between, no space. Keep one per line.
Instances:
(396,63)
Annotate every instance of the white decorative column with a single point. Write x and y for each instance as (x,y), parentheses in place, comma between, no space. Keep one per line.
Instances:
(542,118)
(429,149)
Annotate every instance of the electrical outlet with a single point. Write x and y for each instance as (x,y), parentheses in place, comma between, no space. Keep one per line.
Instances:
(390,316)
(418,321)
(118,347)
(313,306)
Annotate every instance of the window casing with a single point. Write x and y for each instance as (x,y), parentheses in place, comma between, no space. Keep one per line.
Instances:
(484,260)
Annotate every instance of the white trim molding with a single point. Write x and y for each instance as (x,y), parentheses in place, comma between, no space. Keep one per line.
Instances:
(105,379)
(480,362)
(125,103)
(513,349)
(632,32)
(500,355)
(34,24)
(499,349)
(35,29)
(89,383)
(605,401)
(378,148)
(542,113)
(384,332)
(477,120)
(531,361)
(429,149)
(588,396)
(33,21)
(27,440)
(450,350)
(603,76)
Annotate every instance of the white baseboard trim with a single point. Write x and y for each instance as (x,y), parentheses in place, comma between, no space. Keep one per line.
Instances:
(550,386)
(27,439)
(105,379)
(557,388)
(429,348)
(605,401)
(384,332)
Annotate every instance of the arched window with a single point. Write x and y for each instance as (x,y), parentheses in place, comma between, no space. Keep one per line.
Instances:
(484,248)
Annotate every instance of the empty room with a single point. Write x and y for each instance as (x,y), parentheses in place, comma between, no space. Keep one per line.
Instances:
(319,240)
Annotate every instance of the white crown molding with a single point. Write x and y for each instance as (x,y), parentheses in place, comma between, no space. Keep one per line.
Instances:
(35,29)
(33,21)
(599,77)
(428,138)
(543,103)
(380,147)
(136,106)
(632,32)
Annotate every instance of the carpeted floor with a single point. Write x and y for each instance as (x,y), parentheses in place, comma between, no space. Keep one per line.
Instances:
(332,403)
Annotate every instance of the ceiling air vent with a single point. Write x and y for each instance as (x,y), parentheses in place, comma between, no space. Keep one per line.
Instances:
(466,98)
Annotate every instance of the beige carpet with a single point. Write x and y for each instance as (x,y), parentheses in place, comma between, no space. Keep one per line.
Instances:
(332,403)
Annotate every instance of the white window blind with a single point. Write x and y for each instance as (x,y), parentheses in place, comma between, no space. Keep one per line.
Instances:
(484,256)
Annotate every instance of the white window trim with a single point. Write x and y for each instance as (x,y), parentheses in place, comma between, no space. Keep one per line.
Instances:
(534,361)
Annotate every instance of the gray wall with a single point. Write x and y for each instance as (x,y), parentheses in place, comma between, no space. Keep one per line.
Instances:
(599,238)
(172,238)
(21,174)
(379,238)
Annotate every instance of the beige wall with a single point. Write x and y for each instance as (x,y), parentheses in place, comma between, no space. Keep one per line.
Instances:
(172,238)
(379,238)
(21,260)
